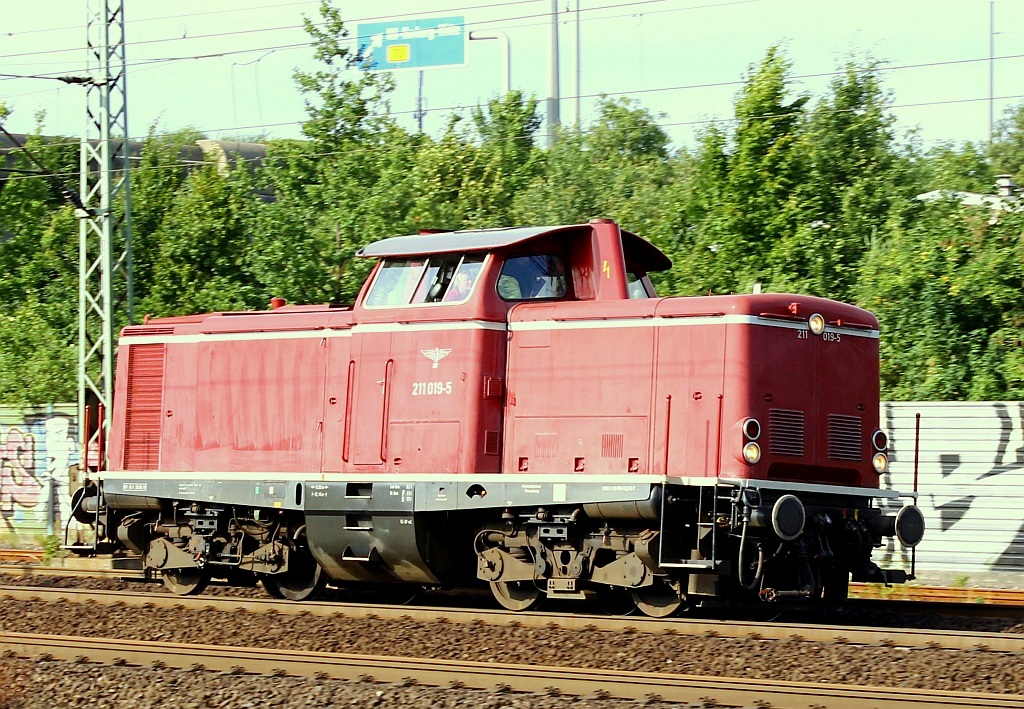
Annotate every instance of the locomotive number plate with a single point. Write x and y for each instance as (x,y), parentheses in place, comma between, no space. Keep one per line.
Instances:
(431,388)
(825,336)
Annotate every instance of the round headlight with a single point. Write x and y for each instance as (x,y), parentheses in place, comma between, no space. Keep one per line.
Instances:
(879,440)
(816,323)
(910,526)
(752,429)
(880,461)
(751,452)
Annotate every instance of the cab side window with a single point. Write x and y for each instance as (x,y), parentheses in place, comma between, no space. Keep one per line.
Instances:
(532,277)
(636,285)
(442,278)
(395,282)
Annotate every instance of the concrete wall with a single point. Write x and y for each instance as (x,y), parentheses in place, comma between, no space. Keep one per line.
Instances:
(39,459)
(970,480)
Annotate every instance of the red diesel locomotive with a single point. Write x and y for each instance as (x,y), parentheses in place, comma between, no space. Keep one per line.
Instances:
(512,407)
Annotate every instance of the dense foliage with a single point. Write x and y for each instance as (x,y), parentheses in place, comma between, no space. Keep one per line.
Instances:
(795,193)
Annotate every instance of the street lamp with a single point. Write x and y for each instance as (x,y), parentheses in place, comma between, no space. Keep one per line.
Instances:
(506,61)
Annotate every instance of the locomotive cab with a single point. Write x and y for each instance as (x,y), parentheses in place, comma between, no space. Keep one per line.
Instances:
(513,407)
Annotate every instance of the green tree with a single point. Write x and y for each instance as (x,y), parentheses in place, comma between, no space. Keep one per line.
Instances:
(727,228)
(203,244)
(345,187)
(154,184)
(948,288)
(1007,149)
(617,167)
(854,175)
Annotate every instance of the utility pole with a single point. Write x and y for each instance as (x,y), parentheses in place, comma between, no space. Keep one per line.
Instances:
(553,90)
(105,253)
(419,113)
(991,70)
(579,65)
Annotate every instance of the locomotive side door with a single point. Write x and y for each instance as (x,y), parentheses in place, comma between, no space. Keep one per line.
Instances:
(371,369)
(371,372)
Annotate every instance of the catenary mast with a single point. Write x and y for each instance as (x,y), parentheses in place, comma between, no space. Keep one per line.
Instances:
(105,261)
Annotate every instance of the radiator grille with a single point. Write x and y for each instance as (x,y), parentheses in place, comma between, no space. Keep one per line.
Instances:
(786,432)
(144,405)
(545,444)
(844,437)
(612,445)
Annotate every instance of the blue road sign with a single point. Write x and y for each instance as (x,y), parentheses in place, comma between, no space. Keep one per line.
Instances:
(413,44)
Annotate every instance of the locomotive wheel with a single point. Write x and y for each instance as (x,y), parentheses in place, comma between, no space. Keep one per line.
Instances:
(516,595)
(658,600)
(186,582)
(303,581)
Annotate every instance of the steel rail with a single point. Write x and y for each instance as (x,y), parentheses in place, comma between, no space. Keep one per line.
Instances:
(480,675)
(14,560)
(902,637)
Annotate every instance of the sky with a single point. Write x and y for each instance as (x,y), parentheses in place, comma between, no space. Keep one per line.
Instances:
(226,67)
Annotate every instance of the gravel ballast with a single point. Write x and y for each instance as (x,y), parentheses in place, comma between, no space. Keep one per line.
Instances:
(789,660)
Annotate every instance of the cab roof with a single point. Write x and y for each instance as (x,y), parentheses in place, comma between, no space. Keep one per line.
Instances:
(643,253)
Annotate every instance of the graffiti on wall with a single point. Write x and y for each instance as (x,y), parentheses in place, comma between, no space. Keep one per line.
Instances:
(38,456)
(971,479)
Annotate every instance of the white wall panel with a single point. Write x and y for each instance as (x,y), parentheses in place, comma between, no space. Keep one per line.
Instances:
(970,481)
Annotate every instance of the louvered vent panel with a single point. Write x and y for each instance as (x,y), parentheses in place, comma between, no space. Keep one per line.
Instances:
(144,407)
(844,437)
(146,330)
(493,387)
(786,432)
(492,442)
(546,444)
(612,445)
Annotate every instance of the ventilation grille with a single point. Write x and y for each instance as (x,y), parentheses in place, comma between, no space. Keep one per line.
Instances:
(491,442)
(144,406)
(147,330)
(844,437)
(612,445)
(545,443)
(786,432)
(493,387)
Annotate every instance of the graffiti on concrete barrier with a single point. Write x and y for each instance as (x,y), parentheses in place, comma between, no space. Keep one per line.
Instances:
(38,454)
(971,480)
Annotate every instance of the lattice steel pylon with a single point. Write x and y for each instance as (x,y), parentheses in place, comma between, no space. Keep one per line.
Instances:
(105,253)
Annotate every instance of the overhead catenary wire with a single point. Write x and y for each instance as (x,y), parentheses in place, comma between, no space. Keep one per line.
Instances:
(148,64)
(682,87)
(349,151)
(349,22)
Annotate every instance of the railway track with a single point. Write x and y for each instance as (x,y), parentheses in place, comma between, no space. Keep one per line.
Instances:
(517,678)
(939,594)
(902,637)
(29,556)
(14,560)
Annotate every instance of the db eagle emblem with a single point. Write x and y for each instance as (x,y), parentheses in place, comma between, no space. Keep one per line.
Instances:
(436,355)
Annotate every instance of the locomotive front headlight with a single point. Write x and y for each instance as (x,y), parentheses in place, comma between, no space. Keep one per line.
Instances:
(880,461)
(817,323)
(751,452)
(879,440)
(752,429)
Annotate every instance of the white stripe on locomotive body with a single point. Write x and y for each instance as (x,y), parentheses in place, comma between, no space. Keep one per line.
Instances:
(533,325)
(683,321)
(624,479)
